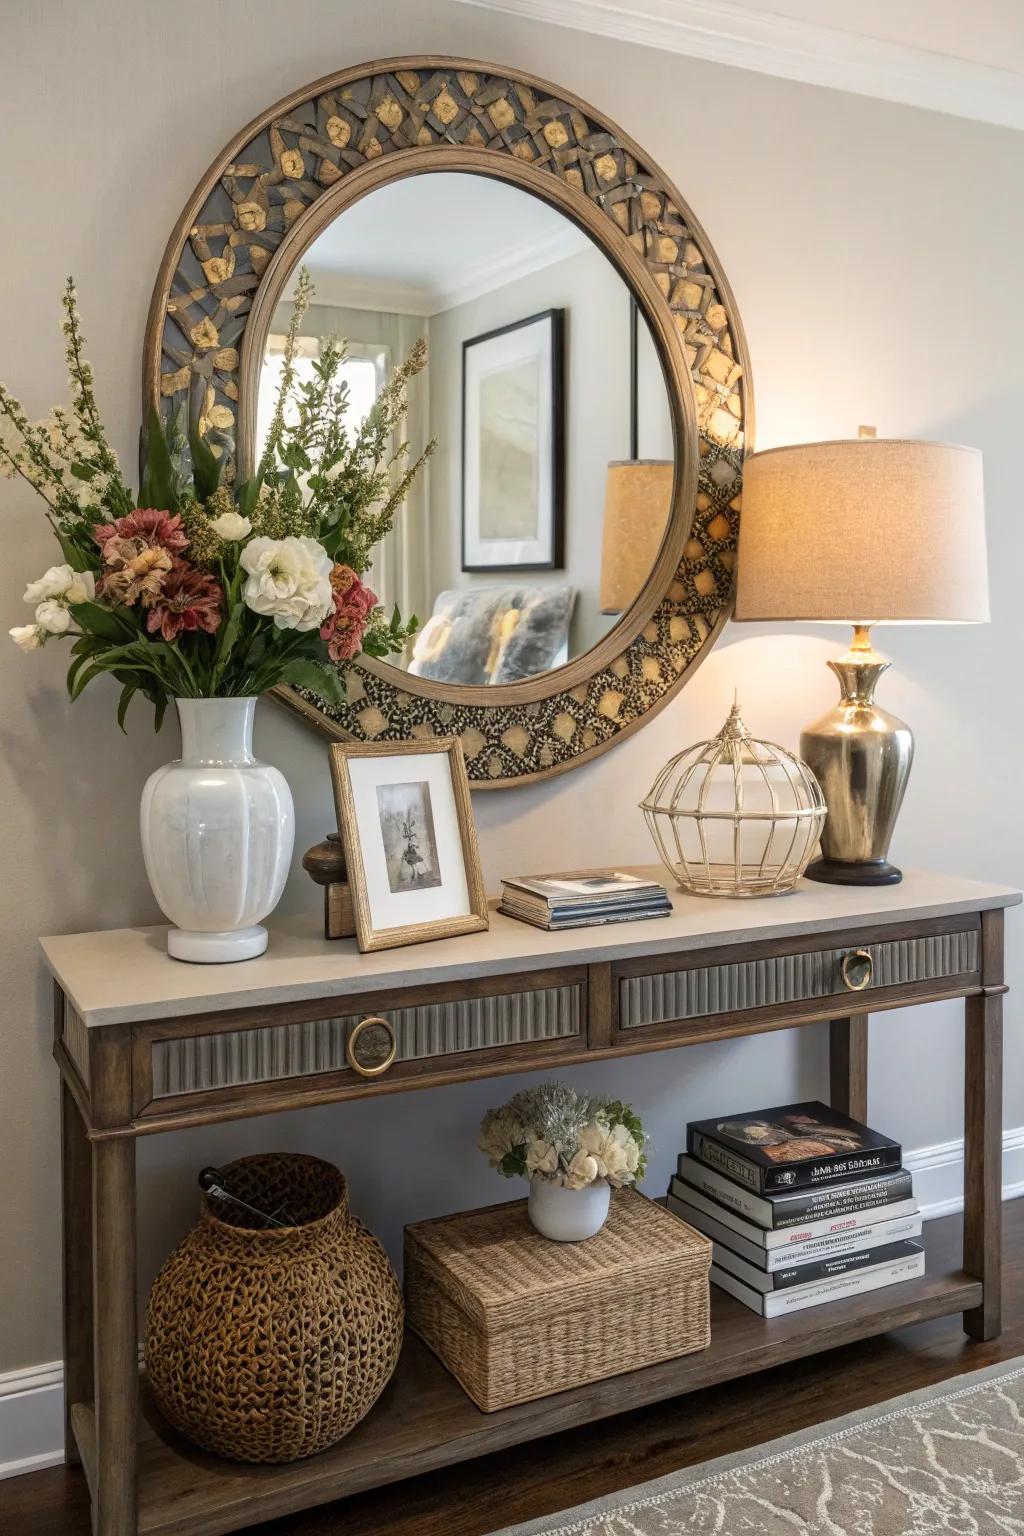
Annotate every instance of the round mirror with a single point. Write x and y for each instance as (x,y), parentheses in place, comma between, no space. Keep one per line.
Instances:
(538,518)
(569,551)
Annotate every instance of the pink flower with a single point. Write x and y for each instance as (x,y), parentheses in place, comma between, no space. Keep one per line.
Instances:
(353,604)
(153,528)
(190,600)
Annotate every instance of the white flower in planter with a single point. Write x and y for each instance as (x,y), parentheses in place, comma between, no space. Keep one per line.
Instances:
(63,585)
(231,526)
(27,637)
(289,581)
(552,1134)
(614,1149)
(53,616)
(541,1157)
(583,1170)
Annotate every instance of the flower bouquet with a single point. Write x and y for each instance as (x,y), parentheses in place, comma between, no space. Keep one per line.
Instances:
(574,1149)
(210,594)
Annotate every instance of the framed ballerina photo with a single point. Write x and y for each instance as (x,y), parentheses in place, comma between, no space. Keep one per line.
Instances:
(406,822)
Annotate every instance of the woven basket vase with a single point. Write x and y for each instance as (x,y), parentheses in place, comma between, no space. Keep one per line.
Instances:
(271,1344)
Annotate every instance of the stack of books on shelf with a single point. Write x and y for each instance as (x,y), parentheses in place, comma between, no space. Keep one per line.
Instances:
(584,898)
(803,1206)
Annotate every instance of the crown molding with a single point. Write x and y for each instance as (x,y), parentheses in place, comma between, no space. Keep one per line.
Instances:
(748,38)
(475,279)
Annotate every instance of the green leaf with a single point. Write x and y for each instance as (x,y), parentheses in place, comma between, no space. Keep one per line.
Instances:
(159,710)
(206,466)
(225,644)
(108,623)
(327,685)
(248,494)
(84,678)
(158,480)
(86,644)
(127,694)
(73,555)
(76,667)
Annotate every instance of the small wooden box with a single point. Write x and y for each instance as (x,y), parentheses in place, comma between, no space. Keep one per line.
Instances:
(514,1316)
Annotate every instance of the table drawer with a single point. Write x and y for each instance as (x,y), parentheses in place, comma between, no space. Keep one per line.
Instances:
(769,981)
(376,1039)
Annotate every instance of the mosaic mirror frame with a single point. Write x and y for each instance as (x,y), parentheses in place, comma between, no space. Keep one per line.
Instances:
(289,174)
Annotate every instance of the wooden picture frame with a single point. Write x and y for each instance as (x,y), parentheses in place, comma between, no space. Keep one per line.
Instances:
(401,835)
(536,338)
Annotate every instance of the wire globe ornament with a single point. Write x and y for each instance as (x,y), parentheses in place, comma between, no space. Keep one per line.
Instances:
(735,816)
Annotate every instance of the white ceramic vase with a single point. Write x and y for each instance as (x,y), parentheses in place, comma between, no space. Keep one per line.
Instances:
(568,1215)
(218,829)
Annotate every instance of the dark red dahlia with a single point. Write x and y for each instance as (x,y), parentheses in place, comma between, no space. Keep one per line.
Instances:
(189,600)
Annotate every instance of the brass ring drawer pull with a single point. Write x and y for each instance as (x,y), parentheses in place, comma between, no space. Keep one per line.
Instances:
(857,968)
(371,1047)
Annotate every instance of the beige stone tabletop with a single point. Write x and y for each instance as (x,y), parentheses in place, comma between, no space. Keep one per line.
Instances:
(124,974)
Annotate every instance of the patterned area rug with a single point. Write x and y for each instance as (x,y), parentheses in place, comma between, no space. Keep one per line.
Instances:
(948,1459)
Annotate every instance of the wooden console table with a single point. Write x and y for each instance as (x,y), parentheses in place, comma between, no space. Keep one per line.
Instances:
(146,1044)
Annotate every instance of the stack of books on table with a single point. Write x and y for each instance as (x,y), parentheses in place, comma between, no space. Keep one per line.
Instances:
(584,898)
(802,1205)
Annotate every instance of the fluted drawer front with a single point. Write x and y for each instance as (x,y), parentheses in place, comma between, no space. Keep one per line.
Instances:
(76,1040)
(235,1057)
(712,989)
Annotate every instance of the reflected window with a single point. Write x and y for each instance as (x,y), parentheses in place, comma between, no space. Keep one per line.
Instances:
(364,371)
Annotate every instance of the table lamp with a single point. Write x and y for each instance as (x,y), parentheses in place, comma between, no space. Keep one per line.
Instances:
(637,502)
(638,499)
(863,531)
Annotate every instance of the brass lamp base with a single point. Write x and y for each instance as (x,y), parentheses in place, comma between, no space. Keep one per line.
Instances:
(861,757)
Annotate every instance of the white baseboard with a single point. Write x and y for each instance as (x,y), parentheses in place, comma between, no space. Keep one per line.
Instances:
(31,1419)
(939,1173)
(32,1400)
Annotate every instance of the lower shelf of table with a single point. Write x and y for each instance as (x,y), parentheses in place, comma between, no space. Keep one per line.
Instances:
(424,1420)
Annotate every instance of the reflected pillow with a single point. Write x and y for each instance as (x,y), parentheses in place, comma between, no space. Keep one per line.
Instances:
(540,638)
(488,635)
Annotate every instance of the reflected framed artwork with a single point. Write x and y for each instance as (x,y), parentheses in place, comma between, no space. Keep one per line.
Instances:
(513,458)
(406,822)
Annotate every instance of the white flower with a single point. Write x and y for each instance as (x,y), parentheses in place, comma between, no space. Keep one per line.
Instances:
(63,585)
(613,1149)
(231,526)
(500,1131)
(53,617)
(88,493)
(541,1157)
(27,637)
(583,1170)
(289,581)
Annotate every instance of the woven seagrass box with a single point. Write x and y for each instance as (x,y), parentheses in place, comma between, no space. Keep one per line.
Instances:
(514,1316)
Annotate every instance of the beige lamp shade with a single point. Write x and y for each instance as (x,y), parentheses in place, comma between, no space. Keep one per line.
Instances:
(638,498)
(864,530)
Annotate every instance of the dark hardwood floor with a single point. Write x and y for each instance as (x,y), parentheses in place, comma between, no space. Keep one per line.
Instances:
(479,1497)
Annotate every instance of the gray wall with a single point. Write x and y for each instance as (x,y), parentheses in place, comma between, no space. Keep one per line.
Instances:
(596,303)
(875,255)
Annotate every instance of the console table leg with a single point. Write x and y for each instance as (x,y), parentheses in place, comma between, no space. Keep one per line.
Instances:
(76,1172)
(983,1158)
(116,1337)
(848,1065)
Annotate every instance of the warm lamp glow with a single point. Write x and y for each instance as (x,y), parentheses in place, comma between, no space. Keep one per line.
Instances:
(638,499)
(863,530)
